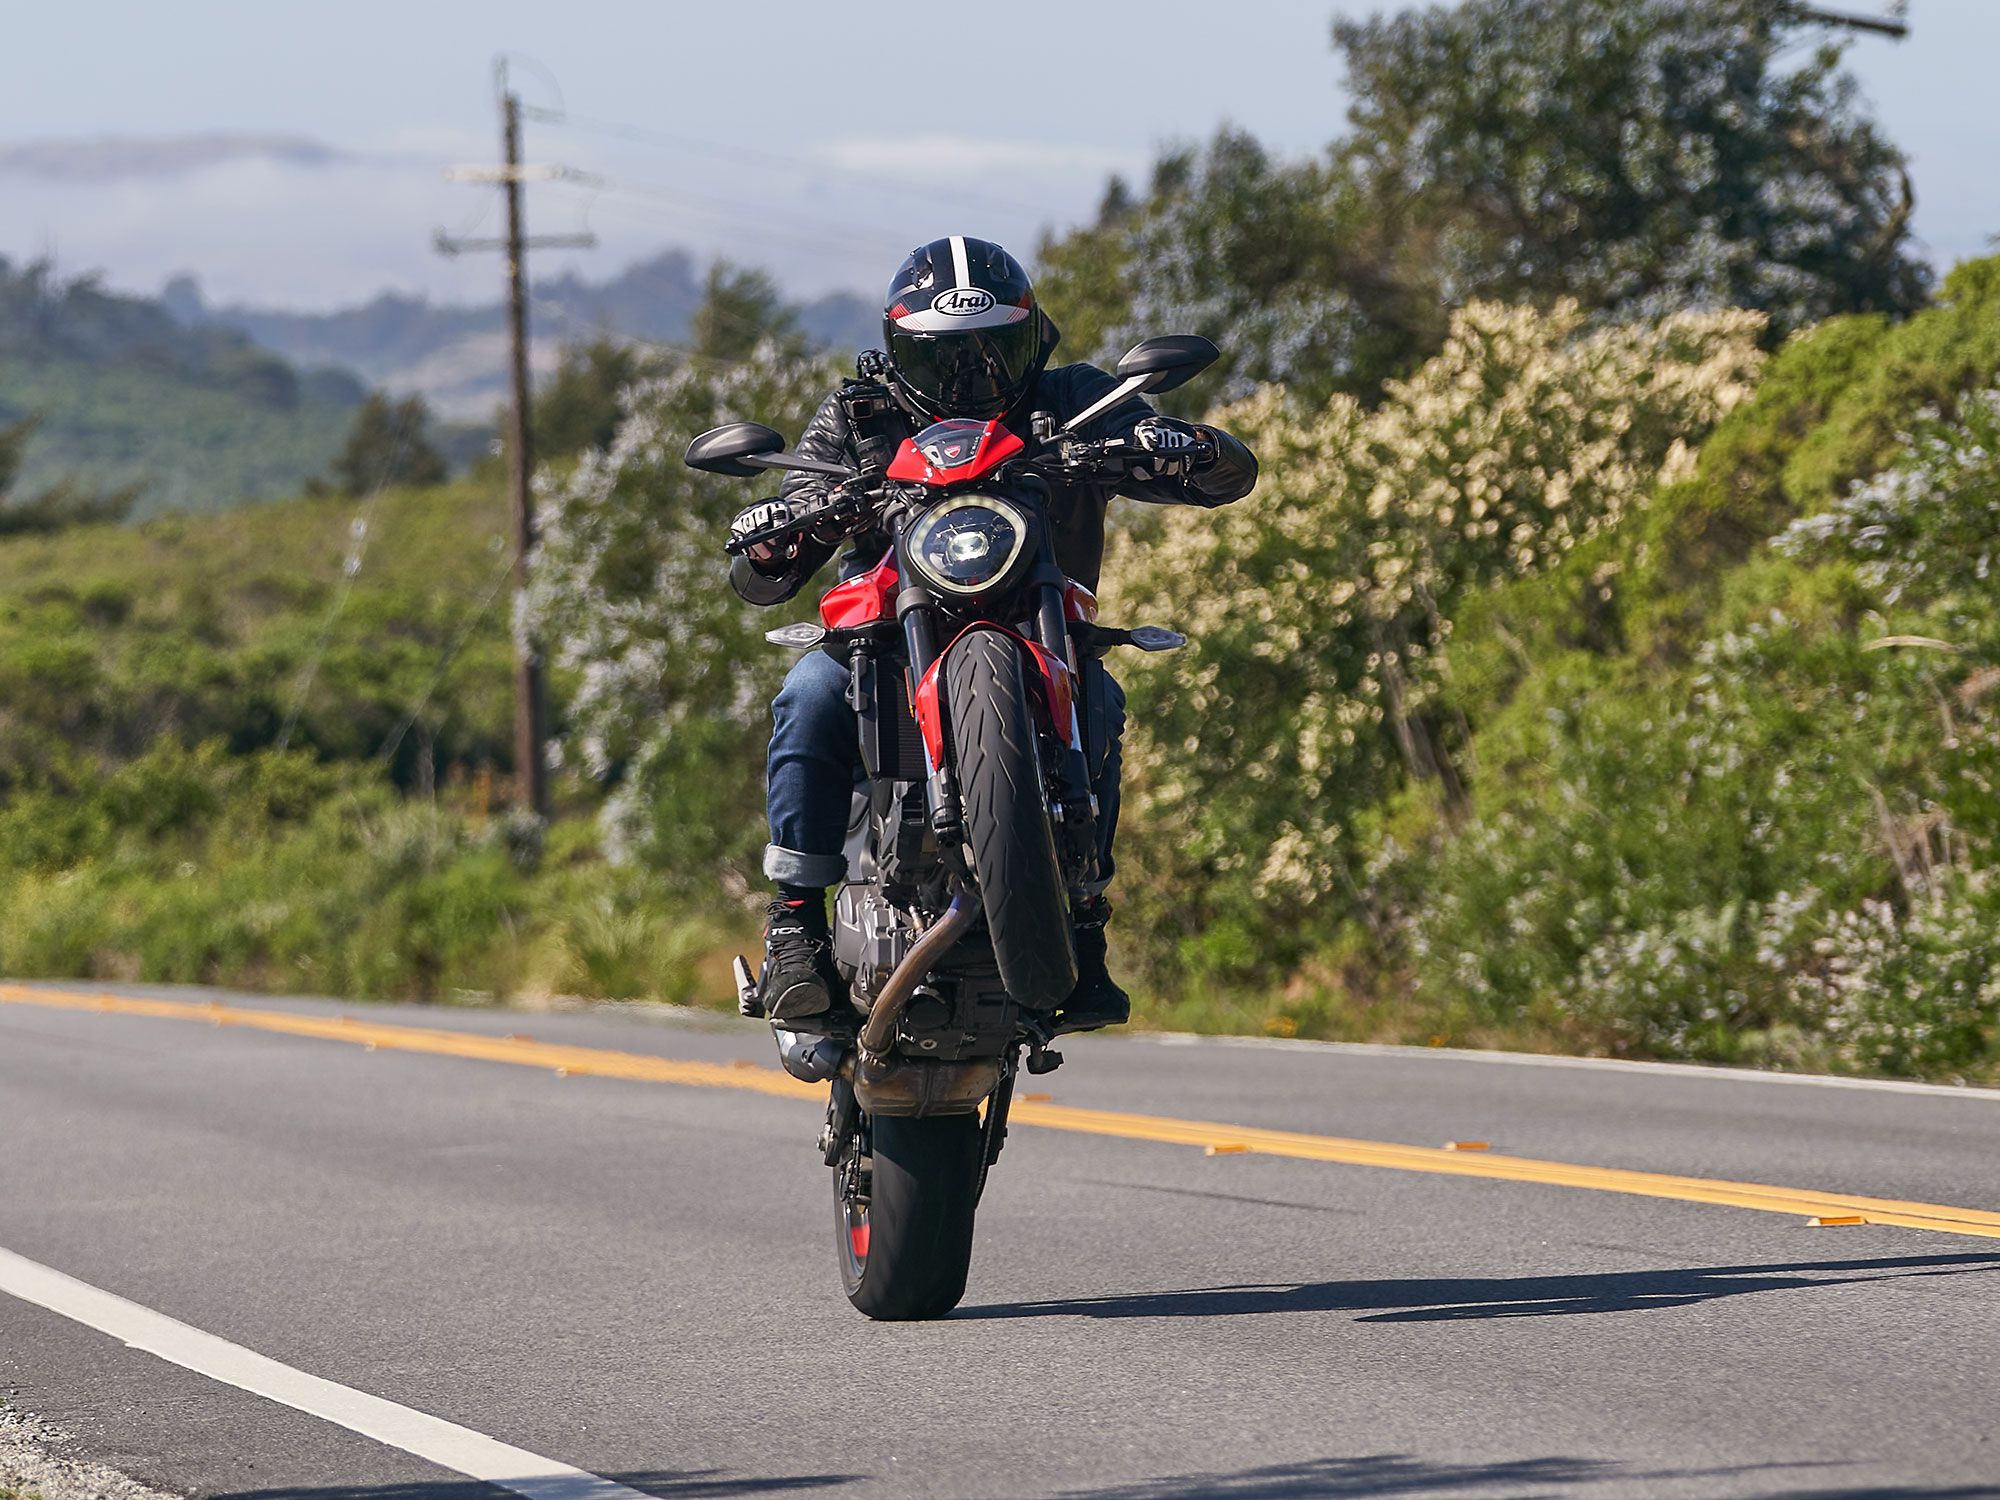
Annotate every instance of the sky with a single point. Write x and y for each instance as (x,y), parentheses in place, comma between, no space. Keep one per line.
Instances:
(293,154)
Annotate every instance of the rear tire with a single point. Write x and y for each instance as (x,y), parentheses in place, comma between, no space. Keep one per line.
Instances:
(1007,820)
(905,1253)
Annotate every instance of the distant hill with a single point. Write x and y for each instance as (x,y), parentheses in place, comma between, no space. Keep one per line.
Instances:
(126,394)
(208,407)
(455,356)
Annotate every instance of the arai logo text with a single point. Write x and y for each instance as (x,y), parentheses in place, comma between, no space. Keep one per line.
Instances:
(962,301)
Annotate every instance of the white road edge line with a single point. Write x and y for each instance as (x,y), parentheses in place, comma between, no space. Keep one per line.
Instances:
(446,1444)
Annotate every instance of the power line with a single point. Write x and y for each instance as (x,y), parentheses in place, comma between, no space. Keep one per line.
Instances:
(811,233)
(360,531)
(1892,26)
(646,134)
(394,740)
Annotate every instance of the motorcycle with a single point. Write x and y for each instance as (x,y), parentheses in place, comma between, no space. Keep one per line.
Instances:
(973,666)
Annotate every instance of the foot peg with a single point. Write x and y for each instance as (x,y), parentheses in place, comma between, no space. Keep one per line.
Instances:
(748,1005)
(1044,1060)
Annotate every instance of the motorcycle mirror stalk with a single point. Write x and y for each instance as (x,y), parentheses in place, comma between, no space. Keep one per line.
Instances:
(1149,368)
(741,450)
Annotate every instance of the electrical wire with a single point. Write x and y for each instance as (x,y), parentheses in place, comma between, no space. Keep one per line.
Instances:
(361,531)
(394,740)
(647,135)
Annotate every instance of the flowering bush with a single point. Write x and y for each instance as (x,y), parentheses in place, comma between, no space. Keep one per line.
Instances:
(1793,835)
(670,677)
(1928,526)
(1320,607)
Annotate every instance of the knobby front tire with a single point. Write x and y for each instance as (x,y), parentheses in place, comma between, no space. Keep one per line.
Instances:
(1007,820)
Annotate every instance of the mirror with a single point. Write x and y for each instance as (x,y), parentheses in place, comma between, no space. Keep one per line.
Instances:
(725,450)
(1168,362)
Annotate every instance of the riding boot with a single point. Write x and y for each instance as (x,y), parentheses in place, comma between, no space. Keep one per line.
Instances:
(799,985)
(1097,1000)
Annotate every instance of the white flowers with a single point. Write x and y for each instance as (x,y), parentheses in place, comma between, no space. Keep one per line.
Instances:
(1529,433)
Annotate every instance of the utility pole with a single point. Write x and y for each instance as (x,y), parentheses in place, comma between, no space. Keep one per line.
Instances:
(530,686)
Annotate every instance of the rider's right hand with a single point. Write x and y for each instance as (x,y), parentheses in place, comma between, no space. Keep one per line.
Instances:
(759,517)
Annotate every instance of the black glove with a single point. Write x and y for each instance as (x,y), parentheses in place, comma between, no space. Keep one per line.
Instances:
(766,557)
(1173,449)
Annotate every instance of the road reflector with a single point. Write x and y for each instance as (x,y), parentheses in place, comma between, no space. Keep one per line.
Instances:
(1226,1148)
(744,1062)
(517,1036)
(1468,1145)
(562,1072)
(1828,1221)
(1036,1098)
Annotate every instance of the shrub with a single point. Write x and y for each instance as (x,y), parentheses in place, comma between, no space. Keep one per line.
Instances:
(1321,605)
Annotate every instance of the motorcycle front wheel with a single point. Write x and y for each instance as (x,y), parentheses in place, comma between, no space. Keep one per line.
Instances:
(1007,821)
(903,1219)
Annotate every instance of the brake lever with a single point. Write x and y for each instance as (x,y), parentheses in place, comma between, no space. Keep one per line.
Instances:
(737,546)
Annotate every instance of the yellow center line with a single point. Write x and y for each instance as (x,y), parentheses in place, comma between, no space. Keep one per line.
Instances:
(1207,1135)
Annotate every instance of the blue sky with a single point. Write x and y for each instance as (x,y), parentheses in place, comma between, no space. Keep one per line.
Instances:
(821,140)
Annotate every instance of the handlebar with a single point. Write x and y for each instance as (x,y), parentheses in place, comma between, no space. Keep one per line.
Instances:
(852,507)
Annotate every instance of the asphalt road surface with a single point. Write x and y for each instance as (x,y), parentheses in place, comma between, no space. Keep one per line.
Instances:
(633,1278)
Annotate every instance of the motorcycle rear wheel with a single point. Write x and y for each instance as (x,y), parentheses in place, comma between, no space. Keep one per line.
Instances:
(1007,821)
(906,1248)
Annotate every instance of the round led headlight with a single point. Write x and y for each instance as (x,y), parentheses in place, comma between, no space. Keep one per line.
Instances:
(966,545)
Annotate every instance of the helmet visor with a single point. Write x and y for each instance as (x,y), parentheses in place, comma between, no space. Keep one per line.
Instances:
(978,373)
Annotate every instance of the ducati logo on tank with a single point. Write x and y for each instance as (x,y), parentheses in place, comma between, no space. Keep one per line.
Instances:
(962,301)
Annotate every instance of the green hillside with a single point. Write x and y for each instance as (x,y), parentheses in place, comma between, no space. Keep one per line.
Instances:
(275,746)
(199,418)
(187,446)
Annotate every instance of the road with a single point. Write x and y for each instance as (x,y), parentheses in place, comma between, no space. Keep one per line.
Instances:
(632,1277)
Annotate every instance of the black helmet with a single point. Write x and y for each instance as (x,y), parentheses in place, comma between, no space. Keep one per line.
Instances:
(963,333)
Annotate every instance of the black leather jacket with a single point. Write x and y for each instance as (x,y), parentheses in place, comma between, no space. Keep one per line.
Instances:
(1076,510)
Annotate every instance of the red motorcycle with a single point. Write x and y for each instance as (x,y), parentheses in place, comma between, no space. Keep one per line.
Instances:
(972,661)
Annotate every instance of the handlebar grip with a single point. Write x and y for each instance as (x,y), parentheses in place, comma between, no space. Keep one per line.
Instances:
(736,546)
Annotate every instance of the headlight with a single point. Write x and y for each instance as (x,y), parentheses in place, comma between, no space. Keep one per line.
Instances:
(966,545)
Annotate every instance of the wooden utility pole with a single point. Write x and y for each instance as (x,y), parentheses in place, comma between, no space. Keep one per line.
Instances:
(530,692)
(530,688)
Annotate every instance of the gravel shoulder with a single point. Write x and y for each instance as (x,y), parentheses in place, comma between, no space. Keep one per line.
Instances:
(34,1466)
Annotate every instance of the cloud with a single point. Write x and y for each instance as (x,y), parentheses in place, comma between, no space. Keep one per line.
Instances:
(115,158)
(901,156)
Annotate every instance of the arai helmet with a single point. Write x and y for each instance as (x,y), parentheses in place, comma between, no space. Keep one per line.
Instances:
(962,331)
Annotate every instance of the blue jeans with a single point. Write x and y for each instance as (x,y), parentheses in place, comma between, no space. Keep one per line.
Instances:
(816,759)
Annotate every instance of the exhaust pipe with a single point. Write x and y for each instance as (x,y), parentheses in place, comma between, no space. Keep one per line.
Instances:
(879,1034)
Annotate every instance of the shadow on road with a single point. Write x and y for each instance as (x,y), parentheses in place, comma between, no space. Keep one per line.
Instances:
(690,1484)
(1401,1474)
(1450,1300)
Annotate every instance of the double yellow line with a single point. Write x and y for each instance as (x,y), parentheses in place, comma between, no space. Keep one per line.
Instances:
(522,1051)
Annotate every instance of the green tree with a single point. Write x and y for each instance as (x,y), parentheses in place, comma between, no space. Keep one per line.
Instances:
(739,310)
(579,406)
(1273,260)
(630,592)
(389,444)
(1638,155)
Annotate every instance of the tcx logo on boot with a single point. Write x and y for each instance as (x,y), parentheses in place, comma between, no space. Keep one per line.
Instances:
(962,301)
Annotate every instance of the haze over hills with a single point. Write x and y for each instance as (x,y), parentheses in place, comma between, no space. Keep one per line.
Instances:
(455,355)
(203,408)
(124,395)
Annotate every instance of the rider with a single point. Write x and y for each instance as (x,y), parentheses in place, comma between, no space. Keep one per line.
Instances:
(964,338)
